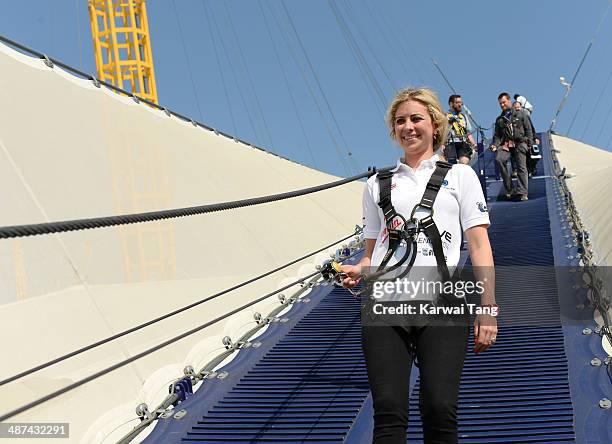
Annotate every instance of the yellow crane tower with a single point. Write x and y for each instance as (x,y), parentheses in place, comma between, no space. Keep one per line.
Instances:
(122,47)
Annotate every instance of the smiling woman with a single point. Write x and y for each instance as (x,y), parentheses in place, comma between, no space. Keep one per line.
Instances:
(394,231)
(416,124)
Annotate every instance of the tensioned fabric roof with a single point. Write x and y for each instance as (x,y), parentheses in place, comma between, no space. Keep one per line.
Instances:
(70,150)
(591,170)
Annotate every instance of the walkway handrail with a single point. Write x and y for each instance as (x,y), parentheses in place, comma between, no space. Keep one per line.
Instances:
(599,299)
(148,351)
(100,222)
(167,315)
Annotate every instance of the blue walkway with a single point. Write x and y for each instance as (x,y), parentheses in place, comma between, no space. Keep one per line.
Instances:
(308,383)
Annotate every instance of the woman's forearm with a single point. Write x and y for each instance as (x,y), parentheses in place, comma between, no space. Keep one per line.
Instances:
(482,262)
(366,260)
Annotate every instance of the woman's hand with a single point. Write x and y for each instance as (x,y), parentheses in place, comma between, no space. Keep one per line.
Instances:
(485,332)
(353,275)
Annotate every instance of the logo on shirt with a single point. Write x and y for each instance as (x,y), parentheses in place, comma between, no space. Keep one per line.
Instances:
(446,186)
(482,207)
(445,236)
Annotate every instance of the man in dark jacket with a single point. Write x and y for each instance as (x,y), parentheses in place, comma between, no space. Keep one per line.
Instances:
(512,135)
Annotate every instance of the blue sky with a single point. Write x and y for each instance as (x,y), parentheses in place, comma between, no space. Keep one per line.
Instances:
(483,46)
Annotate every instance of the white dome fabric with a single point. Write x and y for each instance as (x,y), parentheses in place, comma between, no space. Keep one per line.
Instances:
(591,179)
(70,150)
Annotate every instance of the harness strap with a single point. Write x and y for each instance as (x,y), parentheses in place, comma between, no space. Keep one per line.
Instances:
(384,202)
(431,231)
(434,184)
(427,224)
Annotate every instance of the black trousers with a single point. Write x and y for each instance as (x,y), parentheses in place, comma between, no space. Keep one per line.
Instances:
(389,353)
(454,150)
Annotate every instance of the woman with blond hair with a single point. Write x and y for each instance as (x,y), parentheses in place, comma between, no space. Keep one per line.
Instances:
(418,125)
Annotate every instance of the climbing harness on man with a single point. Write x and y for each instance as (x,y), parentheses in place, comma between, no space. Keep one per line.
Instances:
(458,124)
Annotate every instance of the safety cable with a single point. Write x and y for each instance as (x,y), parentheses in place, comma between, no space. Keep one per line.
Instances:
(253,89)
(584,56)
(599,97)
(390,42)
(452,88)
(214,45)
(318,83)
(347,10)
(233,71)
(153,349)
(359,57)
(583,243)
(182,38)
(99,222)
(285,38)
(604,126)
(400,33)
(287,86)
(589,84)
(166,316)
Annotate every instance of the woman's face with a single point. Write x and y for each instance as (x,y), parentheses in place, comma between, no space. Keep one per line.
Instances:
(413,128)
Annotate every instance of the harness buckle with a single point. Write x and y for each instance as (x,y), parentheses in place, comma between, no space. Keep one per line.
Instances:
(411,230)
(420,205)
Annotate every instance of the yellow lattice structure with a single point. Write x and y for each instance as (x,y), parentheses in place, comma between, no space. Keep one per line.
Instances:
(122,45)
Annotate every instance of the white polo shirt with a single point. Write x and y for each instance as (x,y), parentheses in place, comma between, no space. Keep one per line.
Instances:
(459,204)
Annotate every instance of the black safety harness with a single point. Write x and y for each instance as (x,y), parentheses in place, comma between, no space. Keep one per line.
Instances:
(399,229)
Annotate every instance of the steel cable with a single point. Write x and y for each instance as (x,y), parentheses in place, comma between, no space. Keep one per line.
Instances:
(148,351)
(99,222)
(161,318)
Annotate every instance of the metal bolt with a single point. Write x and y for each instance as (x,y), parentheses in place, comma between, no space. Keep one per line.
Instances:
(605,403)
(47,61)
(189,370)
(586,331)
(180,414)
(257,317)
(598,329)
(142,411)
(282,298)
(608,360)
(283,320)
(596,362)
(227,341)
(256,344)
